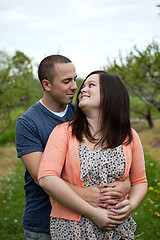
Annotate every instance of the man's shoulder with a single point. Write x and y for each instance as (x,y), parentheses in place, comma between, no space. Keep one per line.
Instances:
(35,113)
(32,110)
(31,117)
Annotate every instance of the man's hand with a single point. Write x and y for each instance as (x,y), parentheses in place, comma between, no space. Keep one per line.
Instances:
(115,192)
(91,195)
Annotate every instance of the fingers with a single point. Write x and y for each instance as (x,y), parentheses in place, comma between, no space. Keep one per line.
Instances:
(120,214)
(125,211)
(109,191)
(109,203)
(122,204)
(111,185)
(112,224)
(108,195)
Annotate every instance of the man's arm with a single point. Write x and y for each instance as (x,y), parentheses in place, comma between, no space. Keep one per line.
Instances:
(102,197)
(31,162)
(90,194)
(94,195)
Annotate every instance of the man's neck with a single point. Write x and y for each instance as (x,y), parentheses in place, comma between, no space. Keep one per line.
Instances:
(52,106)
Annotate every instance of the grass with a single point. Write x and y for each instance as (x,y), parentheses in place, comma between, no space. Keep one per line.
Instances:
(147,215)
(12,204)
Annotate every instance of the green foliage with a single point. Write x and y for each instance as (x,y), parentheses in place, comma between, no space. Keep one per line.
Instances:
(8,136)
(140,72)
(18,86)
(137,103)
(79,82)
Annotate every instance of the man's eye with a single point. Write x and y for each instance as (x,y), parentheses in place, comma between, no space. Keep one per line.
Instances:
(66,82)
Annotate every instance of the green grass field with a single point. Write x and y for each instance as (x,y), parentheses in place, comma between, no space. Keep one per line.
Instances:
(12,204)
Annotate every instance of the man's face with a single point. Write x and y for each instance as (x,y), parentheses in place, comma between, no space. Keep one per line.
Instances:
(64,84)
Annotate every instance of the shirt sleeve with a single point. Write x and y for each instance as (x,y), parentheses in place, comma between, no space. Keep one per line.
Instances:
(53,158)
(27,138)
(137,171)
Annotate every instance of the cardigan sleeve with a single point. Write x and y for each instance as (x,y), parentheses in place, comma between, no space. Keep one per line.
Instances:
(137,171)
(54,155)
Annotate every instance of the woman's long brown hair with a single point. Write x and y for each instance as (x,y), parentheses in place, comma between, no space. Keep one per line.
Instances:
(114,111)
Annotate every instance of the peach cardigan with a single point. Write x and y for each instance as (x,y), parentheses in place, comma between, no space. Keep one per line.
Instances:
(61,158)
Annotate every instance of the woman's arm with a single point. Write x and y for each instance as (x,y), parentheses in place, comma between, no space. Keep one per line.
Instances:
(138,180)
(63,194)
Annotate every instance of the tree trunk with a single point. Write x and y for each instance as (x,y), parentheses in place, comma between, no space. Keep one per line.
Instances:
(149,118)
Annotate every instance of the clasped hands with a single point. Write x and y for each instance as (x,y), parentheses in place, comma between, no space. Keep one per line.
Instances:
(109,210)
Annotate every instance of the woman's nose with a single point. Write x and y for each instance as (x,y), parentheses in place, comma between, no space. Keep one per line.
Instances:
(83,89)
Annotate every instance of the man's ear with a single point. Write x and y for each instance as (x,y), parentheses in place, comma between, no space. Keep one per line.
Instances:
(46,85)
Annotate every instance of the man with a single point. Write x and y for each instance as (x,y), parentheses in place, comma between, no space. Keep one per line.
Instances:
(57,75)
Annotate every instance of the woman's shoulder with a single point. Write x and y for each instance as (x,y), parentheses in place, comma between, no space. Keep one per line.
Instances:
(134,133)
(63,127)
(136,139)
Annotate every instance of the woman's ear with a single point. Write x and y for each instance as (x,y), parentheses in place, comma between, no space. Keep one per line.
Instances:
(46,85)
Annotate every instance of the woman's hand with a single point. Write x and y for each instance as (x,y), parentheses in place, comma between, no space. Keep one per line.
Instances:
(120,211)
(100,217)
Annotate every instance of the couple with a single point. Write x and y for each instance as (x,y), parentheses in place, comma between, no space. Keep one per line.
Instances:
(84,159)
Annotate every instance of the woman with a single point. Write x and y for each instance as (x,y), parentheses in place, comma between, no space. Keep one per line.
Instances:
(97,148)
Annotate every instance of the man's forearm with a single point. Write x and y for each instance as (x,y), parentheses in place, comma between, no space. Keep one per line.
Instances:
(91,194)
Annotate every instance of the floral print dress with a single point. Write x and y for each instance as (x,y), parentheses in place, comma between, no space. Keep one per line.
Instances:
(98,167)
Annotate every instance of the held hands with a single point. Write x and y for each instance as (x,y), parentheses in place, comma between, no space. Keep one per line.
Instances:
(110,195)
(101,197)
(111,198)
(120,211)
(100,217)
(115,192)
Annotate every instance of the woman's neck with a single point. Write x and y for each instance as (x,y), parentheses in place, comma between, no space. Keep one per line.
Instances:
(94,125)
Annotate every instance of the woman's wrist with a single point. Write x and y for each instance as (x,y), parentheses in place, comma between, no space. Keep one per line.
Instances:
(133,205)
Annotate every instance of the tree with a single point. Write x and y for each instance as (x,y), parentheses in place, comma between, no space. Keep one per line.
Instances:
(18,86)
(140,72)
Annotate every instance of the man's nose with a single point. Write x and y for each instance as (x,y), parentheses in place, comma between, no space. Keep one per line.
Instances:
(74,85)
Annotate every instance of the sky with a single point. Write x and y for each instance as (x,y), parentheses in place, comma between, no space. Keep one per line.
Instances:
(89,32)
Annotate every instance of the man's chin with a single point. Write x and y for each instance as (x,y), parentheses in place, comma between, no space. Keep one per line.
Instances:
(70,99)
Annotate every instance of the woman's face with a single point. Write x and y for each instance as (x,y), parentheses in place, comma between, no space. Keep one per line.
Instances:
(89,97)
